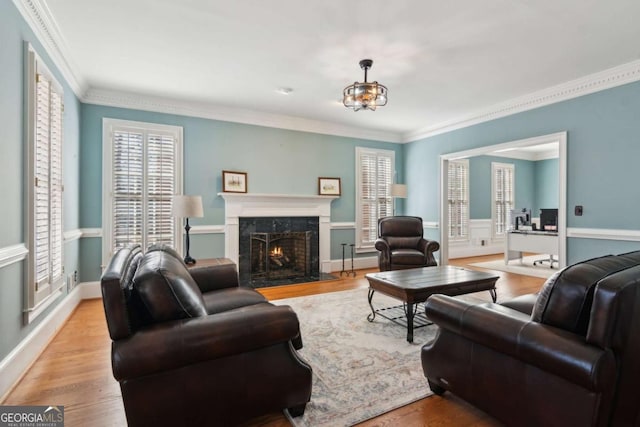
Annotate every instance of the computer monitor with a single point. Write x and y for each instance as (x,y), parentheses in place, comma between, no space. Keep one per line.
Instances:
(549,219)
(520,217)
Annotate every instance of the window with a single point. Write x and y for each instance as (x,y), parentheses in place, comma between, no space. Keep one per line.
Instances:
(44,202)
(458,182)
(374,175)
(502,194)
(142,172)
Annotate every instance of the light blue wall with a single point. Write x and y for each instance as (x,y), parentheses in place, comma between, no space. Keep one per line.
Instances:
(480,184)
(276,161)
(546,187)
(14,32)
(603,149)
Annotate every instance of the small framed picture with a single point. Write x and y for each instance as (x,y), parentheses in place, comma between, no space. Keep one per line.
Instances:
(234,182)
(329,186)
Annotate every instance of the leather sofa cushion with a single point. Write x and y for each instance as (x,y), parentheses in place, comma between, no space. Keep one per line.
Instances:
(166,288)
(407,257)
(566,297)
(396,242)
(231,298)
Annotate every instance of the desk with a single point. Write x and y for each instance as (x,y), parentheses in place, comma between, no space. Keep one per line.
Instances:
(541,242)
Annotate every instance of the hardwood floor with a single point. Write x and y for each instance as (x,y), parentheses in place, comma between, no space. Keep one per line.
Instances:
(75,368)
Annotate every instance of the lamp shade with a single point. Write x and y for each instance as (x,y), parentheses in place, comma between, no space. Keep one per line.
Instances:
(187,206)
(399,190)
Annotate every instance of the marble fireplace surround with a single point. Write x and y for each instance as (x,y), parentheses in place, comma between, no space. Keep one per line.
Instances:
(239,205)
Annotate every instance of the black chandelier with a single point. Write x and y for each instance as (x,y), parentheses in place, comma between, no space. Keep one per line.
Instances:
(365,95)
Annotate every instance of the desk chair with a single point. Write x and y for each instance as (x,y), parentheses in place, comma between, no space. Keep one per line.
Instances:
(550,260)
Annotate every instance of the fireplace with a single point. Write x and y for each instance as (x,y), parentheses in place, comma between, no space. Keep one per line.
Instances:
(280,255)
(278,250)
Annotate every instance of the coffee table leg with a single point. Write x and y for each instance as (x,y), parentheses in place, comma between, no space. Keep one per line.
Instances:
(371,316)
(494,295)
(410,314)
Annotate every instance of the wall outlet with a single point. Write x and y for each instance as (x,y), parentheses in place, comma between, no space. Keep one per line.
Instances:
(71,281)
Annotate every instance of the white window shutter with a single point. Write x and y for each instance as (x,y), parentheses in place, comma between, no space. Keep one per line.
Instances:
(56,188)
(144,175)
(128,170)
(45,274)
(375,169)
(458,197)
(503,197)
(160,189)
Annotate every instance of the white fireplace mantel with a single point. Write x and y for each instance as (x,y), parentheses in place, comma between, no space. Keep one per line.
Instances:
(240,205)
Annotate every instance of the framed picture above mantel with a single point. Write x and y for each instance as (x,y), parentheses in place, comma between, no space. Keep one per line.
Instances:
(328,186)
(234,182)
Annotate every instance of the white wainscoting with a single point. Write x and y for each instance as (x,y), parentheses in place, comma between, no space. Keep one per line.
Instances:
(479,243)
(16,363)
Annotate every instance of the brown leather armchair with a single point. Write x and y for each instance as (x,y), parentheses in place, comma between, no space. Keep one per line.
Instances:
(191,347)
(567,356)
(401,244)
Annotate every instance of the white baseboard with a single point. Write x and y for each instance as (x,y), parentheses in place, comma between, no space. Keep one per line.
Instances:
(16,363)
(469,251)
(358,263)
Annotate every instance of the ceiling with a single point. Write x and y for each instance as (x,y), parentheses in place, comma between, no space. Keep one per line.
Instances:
(441,61)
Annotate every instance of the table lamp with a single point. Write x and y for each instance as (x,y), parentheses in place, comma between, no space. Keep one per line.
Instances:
(187,207)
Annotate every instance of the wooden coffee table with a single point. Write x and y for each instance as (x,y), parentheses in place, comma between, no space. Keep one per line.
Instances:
(415,285)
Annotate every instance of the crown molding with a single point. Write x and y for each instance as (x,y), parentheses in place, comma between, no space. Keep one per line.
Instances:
(37,14)
(119,99)
(607,79)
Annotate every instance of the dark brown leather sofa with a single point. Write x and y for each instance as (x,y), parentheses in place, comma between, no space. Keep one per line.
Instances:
(191,347)
(568,356)
(401,244)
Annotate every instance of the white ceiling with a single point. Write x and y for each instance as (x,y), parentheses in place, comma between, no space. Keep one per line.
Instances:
(441,61)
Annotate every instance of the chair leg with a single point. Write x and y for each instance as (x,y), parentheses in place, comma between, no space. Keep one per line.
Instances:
(297,411)
(550,260)
(436,388)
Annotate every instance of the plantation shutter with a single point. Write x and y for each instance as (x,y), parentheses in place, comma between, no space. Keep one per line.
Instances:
(48,187)
(458,196)
(143,184)
(503,176)
(375,175)
(128,186)
(160,189)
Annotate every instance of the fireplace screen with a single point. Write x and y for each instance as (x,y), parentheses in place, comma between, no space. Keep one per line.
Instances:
(280,255)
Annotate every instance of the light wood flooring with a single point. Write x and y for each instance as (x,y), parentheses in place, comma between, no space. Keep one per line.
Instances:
(75,368)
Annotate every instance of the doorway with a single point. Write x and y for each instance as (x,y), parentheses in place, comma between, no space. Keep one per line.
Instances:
(560,138)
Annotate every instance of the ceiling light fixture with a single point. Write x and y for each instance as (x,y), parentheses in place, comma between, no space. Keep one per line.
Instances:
(364,96)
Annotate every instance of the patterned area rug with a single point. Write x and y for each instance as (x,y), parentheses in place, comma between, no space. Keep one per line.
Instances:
(361,369)
(525,267)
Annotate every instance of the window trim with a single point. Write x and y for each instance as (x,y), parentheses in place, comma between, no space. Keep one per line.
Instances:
(36,299)
(359,247)
(494,165)
(108,125)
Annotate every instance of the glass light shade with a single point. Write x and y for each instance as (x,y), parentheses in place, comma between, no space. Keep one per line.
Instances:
(187,206)
(364,96)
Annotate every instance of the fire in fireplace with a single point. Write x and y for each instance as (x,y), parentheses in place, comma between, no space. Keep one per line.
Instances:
(280,255)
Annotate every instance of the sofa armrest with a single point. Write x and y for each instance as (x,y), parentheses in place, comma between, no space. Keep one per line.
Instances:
(175,344)
(428,247)
(382,245)
(508,331)
(223,274)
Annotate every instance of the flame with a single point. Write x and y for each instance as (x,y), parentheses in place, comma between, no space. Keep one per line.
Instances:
(276,252)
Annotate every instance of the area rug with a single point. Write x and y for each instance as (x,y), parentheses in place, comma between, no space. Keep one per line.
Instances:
(525,267)
(361,369)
